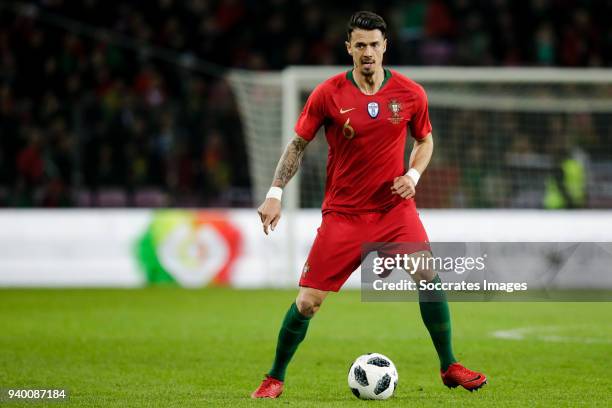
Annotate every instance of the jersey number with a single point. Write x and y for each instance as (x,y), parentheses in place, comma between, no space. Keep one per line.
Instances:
(347,130)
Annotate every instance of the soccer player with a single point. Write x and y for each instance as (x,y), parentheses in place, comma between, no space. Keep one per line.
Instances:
(369,196)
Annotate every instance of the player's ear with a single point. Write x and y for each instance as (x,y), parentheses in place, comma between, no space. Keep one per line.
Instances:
(348,47)
(384,45)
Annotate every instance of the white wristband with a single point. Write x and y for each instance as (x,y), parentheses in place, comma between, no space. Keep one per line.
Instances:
(275,192)
(414,175)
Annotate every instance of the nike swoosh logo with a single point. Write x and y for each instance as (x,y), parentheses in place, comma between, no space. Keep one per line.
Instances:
(474,379)
(342,111)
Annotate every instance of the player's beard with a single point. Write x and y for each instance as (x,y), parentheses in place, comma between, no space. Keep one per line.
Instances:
(368,72)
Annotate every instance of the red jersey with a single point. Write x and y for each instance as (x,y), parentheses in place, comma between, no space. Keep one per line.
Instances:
(366,135)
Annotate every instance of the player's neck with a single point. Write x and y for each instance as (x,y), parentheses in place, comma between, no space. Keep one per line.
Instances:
(369,85)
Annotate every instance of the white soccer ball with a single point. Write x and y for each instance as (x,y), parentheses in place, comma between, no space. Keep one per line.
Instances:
(372,376)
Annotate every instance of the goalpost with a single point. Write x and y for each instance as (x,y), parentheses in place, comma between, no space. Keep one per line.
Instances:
(525,112)
(501,134)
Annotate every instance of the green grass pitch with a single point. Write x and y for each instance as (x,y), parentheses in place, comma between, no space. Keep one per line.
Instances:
(169,347)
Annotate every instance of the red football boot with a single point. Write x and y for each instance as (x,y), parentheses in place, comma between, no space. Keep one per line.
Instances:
(457,375)
(270,387)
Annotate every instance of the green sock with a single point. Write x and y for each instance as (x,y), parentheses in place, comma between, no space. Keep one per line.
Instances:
(290,336)
(436,316)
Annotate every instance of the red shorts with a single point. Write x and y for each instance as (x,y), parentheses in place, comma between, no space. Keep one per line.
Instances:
(337,249)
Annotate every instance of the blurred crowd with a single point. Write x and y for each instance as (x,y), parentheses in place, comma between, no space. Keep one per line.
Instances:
(85,121)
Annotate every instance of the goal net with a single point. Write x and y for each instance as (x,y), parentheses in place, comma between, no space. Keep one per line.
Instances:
(504,137)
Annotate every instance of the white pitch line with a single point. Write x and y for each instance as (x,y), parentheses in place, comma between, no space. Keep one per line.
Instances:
(531,333)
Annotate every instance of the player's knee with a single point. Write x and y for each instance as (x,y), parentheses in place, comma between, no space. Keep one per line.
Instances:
(423,274)
(308,306)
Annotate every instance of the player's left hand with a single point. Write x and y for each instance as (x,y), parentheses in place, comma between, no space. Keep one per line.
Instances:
(404,187)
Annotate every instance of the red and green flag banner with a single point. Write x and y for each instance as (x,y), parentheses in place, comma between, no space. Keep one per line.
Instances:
(189,248)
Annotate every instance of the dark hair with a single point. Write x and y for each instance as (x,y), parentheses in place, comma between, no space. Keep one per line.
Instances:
(366,20)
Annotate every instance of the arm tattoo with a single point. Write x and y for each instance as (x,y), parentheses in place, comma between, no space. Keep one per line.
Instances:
(289,161)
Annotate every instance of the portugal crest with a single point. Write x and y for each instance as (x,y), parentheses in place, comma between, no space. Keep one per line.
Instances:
(395,107)
(373,109)
(305,269)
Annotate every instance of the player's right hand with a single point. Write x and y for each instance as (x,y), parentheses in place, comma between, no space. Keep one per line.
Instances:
(269,212)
